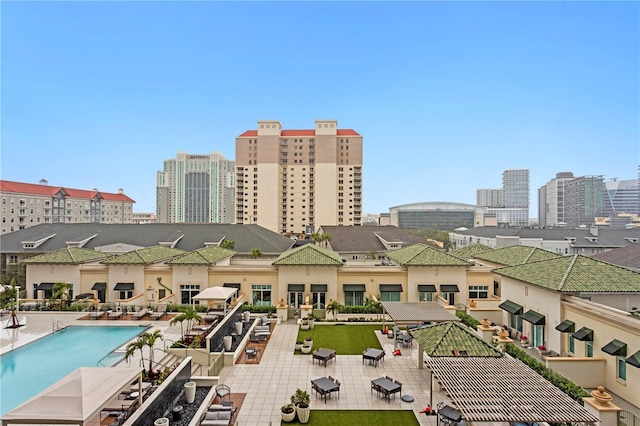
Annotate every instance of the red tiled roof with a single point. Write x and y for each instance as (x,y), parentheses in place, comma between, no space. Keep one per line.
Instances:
(37,189)
(312,132)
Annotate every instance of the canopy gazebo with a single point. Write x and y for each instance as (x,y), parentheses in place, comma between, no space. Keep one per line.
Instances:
(77,398)
(504,390)
(218,295)
(417,313)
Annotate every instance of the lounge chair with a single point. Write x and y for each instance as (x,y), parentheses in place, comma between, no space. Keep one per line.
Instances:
(115,314)
(162,311)
(97,314)
(140,314)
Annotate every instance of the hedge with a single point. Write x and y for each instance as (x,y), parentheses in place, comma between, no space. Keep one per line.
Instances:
(468,319)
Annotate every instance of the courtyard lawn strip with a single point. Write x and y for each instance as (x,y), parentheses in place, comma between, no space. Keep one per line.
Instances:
(345,339)
(363,417)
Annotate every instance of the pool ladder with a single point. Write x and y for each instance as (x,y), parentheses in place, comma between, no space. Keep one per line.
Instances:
(58,325)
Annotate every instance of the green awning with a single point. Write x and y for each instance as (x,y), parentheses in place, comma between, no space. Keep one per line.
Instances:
(45,286)
(99,286)
(511,307)
(231,285)
(534,317)
(318,288)
(584,335)
(354,287)
(566,326)
(295,288)
(634,360)
(391,287)
(123,287)
(449,288)
(615,347)
(427,288)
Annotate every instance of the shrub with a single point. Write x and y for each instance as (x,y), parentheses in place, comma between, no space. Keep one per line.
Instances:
(565,385)
(468,320)
(259,309)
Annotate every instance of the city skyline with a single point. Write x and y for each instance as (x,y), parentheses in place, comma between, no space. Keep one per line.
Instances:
(446,95)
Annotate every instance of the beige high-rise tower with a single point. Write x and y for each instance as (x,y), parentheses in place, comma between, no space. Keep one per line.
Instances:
(293,181)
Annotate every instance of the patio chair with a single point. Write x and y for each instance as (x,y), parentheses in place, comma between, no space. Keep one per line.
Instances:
(332,379)
(338,383)
(140,314)
(223,390)
(388,378)
(375,387)
(162,311)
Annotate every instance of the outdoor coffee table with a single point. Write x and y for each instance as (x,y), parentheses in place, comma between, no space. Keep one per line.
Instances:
(324,355)
(373,356)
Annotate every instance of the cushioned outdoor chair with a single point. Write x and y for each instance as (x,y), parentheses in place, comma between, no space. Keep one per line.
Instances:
(223,390)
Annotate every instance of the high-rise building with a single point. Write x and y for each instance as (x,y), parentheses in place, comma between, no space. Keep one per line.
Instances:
(489,198)
(196,188)
(621,196)
(583,198)
(293,181)
(29,204)
(551,200)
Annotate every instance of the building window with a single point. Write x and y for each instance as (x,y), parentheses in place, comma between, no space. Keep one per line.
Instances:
(537,335)
(589,349)
(162,293)
(515,321)
(354,298)
(621,372)
(389,296)
(296,299)
(572,345)
(319,299)
(261,294)
(478,291)
(426,296)
(187,291)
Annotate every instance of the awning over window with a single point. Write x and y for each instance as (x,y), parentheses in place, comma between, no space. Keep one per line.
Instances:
(634,360)
(616,347)
(427,288)
(354,287)
(298,288)
(584,335)
(123,286)
(566,326)
(449,288)
(511,307)
(534,317)
(231,285)
(318,288)
(391,287)
(45,286)
(99,286)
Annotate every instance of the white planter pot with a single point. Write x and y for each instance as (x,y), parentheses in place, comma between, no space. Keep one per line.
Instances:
(311,324)
(304,326)
(228,341)
(306,349)
(288,417)
(238,327)
(190,392)
(298,346)
(246,315)
(162,421)
(303,414)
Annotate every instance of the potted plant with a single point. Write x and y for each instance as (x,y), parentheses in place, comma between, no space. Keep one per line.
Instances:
(304,325)
(308,341)
(301,399)
(524,340)
(288,413)
(311,320)
(299,345)
(306,349)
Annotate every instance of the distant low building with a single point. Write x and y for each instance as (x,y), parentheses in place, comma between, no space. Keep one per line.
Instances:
(140,218)
(27,204)
(436,215)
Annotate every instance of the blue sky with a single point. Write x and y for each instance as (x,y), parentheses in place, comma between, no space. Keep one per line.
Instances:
(446,94)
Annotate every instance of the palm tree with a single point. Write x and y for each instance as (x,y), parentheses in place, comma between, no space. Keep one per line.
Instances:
(178,319)
(10,299)
(375,305)
(134,346)
(333,307)
(150,339)
(256,253)
(188,314)
(228,244)
(61,293)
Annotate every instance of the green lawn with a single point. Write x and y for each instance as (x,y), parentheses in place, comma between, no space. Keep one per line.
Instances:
(345,339)
(363,417)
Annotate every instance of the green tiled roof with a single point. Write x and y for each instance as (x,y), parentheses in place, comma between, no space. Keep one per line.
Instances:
(441,339)
(309,254)
(575,274)
(144,256)
(471,251)
(423,255)
(203,256)
(69,255)
(516,255)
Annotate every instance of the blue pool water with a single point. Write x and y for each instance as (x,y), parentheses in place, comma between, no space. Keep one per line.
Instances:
(32,368)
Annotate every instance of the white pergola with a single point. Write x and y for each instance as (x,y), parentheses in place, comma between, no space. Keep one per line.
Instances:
(219,294)
(504,390)
(406,313)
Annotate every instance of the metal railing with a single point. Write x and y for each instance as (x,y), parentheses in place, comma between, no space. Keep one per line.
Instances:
(216,365)
(627,418)
(58,325)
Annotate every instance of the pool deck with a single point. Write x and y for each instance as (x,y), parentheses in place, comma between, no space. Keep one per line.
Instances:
(267,385)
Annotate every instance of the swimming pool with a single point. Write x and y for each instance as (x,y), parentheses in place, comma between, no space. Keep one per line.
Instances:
(32,368)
